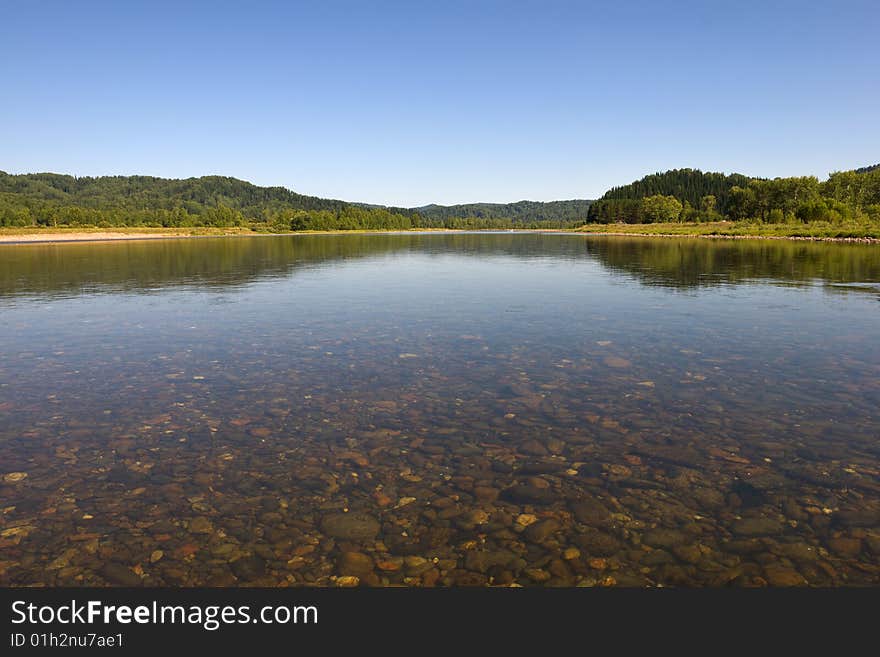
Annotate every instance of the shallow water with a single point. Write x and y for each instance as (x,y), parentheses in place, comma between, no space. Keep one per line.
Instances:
(440,409)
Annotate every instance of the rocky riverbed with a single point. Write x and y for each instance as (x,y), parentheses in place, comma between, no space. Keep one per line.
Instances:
(377,418)
(533,494)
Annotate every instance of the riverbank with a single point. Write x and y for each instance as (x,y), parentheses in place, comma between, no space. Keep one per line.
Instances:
(60,235)
(813,232)
(37,235)
(818,232)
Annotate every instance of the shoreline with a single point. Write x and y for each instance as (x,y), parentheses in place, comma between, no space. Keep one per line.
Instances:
(75,236)
(103,235)
(79,236)
(721,236)
(61,238)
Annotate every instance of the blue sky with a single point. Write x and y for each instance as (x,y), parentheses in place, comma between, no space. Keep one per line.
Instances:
(407,103)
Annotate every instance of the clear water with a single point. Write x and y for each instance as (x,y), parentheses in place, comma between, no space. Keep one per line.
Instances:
(440,409)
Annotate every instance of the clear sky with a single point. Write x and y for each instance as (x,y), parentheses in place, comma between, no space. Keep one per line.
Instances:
(412,102)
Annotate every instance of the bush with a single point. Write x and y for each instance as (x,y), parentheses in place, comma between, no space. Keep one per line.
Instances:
(775,216)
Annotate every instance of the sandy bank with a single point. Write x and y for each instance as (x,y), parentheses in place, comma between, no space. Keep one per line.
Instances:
(81,237)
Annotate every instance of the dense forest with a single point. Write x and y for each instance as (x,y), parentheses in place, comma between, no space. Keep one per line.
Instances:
(850,198)
(868,169)
(689,185)
(689,195)
(574,211)
(47,199)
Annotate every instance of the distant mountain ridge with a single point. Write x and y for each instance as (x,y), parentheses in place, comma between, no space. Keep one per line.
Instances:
(569,210)
(252,201)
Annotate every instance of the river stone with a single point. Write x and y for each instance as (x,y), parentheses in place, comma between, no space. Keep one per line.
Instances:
(799,551)
(664,538)
(353,526)
(590,512)
(355,563)
(416,565)
(744,546)
(541,467)
(756,527)
(476,517)
(249,568)
(163,527)
(708,497)
(845,547)
(485,494)
(201,525)
(528,494)
(598,544)
(122,475)
(782,576)
(688,553)
(116,573)
(482,560)
(590,470)
(540,531)
(858,517)
(221,579)
(630,580)
(657,558)
(537,574)
(466,578)
(533,448)
(749,496)
(264,551)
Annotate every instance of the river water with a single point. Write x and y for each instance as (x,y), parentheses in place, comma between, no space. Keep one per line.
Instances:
(440,409)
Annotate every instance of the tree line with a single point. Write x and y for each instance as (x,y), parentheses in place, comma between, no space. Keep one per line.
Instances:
(562,212)
(47,199)
(689,195)
(679,195)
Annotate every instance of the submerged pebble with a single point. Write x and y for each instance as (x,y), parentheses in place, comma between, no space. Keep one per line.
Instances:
(392,444)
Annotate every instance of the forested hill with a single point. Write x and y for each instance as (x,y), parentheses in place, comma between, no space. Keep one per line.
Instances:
(680,195)
(57,200)
(147,192)
(689,195)
(521,211)
(689,185)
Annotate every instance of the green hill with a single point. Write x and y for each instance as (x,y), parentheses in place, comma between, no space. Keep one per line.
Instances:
(691,195)
(55,199)
(521,211)
(689,185)
(147,192)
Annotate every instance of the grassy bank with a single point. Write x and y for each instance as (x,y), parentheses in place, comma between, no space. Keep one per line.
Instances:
(812,230)
(720,229)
